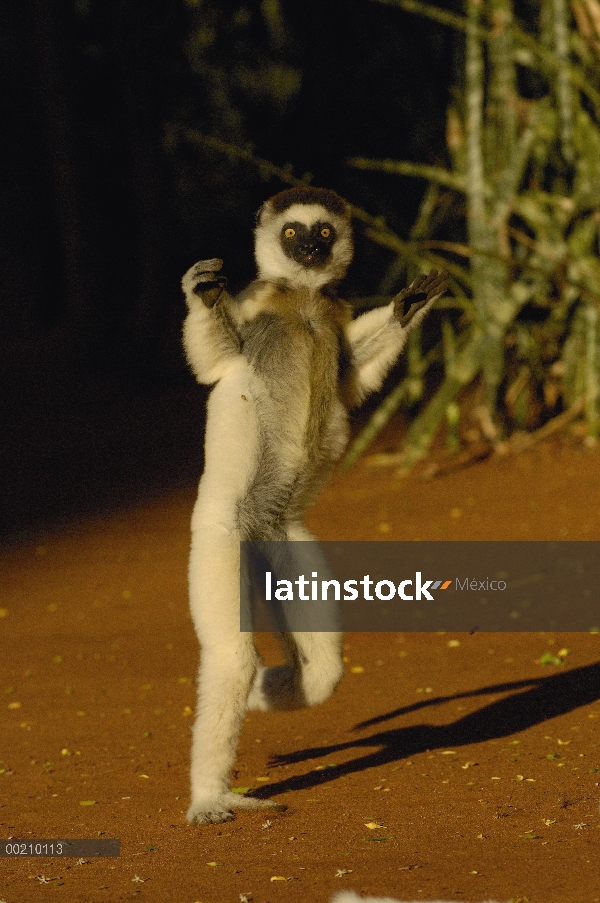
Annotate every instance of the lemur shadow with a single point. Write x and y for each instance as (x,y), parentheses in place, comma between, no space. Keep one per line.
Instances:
(546,698)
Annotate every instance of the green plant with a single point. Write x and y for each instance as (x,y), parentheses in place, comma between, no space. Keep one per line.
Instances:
(524,175)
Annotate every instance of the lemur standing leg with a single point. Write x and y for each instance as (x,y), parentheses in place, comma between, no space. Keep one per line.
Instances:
(228,660)
(227,668)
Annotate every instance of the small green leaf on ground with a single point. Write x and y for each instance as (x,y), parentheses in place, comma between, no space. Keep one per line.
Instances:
(548,658)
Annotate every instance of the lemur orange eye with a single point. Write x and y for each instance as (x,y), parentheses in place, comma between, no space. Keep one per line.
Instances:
(289,233)
(325,232)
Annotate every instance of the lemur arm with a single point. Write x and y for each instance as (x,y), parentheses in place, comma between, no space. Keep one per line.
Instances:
(378,336)
(210,339)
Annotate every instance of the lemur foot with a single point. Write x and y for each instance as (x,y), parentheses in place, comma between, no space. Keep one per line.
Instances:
(419,293)
(212,811)
(276,688)
(201,279)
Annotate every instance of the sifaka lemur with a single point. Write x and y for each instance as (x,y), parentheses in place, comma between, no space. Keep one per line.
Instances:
(288,362)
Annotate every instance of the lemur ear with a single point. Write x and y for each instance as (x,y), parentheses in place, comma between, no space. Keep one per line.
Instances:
(262,210)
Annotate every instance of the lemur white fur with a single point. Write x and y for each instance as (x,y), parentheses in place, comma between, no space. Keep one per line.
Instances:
(287,361)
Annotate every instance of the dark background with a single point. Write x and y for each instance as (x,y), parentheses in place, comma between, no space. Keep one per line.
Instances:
(105,203)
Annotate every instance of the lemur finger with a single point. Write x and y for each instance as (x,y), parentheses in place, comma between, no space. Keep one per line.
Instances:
(435,283)
(418,283)
(200,278)
(207,266)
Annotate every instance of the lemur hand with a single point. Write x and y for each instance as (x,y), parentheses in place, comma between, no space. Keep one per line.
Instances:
(201,279)
(418,294)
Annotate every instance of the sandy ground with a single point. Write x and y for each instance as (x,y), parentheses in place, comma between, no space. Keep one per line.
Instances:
(450,765)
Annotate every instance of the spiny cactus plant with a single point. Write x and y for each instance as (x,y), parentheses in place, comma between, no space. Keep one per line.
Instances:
(526,173)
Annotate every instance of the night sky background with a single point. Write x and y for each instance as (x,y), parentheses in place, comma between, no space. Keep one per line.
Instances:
(104,204)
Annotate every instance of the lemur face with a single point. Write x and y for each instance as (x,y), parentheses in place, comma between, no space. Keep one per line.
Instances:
(304,237)
(310,246)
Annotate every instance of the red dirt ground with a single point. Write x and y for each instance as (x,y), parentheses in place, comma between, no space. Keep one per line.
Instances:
(450,766)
